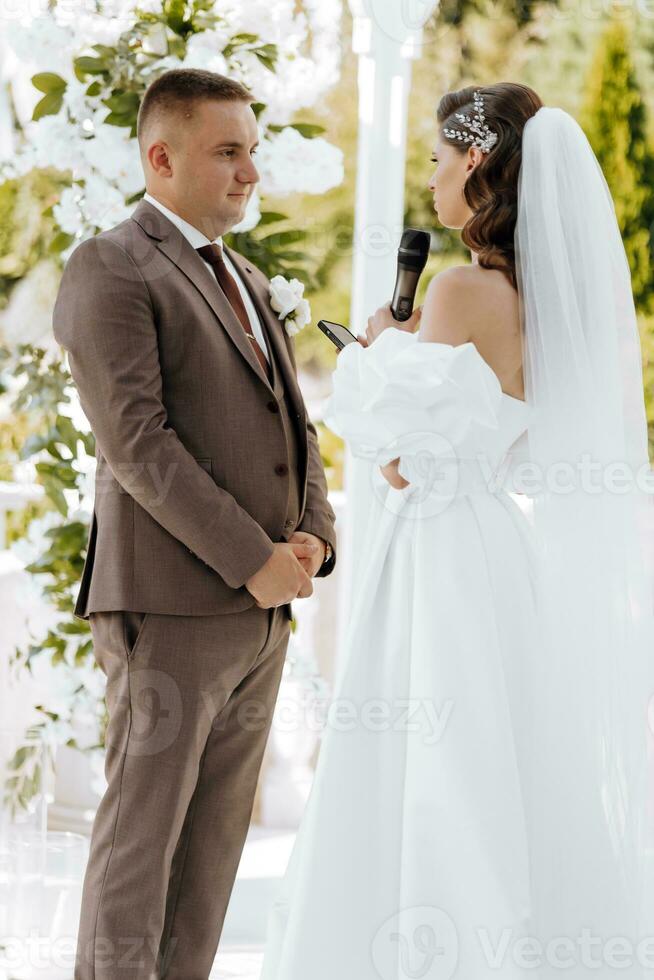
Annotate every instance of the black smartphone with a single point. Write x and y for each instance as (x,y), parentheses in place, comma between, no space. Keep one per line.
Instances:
(339,335)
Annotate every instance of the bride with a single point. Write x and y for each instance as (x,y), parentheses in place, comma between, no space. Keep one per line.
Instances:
(480,806)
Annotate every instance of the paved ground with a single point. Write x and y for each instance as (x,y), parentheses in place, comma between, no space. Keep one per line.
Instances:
(238,963)
(240,954)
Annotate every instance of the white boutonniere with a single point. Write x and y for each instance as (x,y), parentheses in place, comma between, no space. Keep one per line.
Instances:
(287,300)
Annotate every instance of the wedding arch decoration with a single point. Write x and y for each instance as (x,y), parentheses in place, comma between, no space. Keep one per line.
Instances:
(94,61)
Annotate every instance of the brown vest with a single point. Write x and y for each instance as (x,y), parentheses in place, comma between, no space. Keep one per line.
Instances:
(289,421)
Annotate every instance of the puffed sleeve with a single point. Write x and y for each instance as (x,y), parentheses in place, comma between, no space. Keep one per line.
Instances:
(418,401)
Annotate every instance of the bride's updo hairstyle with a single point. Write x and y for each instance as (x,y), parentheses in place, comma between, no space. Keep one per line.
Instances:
(491,190)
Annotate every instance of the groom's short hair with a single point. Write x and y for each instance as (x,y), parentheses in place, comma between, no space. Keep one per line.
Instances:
(178,90)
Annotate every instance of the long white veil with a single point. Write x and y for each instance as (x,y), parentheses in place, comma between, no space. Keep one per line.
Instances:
(588,794)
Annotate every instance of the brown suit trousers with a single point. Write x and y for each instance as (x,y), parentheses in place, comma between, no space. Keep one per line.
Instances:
(190,703)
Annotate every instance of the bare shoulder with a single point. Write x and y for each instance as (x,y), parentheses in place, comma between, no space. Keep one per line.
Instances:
(465,302)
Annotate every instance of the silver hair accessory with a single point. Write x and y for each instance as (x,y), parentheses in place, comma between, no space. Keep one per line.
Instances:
(483,137)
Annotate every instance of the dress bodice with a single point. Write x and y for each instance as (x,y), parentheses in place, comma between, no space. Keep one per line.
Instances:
(430,404)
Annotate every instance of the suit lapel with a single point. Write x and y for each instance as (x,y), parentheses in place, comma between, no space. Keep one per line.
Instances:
(169,240)
(272,325)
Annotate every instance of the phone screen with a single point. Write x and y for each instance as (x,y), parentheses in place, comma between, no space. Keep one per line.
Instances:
(339,335)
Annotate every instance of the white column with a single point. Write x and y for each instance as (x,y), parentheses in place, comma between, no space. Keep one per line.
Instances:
(387,35)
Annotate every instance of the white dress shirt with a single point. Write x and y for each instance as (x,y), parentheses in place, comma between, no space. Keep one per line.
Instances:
(197,239)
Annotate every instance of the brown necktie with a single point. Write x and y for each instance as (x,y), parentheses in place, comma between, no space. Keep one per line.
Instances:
(213,254)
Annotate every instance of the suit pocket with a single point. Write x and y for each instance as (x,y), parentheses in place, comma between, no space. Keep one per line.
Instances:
(133,627)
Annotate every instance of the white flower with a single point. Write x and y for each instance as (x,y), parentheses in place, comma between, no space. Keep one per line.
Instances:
(163,64)
(286,299)
(113,155)
(204,50)
(104,206)
(43,43)
(53,142)
(27,319)
(300,318)
(291,164)
(68,212)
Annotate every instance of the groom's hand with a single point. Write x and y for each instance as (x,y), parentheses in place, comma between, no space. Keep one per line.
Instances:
(282,578)
(313,563)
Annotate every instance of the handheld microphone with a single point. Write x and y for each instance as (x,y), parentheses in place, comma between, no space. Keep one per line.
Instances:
(411,260)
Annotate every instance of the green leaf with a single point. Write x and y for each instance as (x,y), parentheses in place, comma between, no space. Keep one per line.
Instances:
(90,66)
(123,103)
(257,108)
(49,105)
(48,81)
(289,237)
(60,241)
(269,217)
(175,13)
(19,758)
(266,60)
(88,440)
(104,51)
(56,495)
(308,130)
(67,432)
(116,119)
(245,39)
(94,89)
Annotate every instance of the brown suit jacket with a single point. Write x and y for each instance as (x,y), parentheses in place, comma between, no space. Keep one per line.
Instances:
(190,494)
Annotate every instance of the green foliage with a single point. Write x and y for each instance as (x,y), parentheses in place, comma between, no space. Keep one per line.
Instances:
(54,87)
(27,229)
(25,771)
(59,449)
(615,120)
(279,252)
(116,74)
(646,327)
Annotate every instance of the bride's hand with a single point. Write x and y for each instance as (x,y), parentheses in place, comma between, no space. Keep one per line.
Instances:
(383,319)
(391,474)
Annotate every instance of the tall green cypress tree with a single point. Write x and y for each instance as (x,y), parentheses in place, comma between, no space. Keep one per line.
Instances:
(614,119)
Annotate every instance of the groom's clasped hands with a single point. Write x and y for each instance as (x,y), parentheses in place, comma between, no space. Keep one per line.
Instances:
(287,573)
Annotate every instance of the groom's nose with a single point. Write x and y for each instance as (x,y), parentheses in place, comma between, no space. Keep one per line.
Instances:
(249,174)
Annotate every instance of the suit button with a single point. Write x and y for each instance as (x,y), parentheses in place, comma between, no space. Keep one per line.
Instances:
(273,407)
(281,469)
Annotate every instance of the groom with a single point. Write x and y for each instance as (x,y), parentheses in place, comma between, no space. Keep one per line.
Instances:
(211,515)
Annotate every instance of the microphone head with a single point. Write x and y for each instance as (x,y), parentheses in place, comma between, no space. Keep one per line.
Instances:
(414,249)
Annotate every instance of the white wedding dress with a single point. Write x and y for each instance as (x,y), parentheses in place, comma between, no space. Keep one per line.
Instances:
(416,806)
(482,807)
